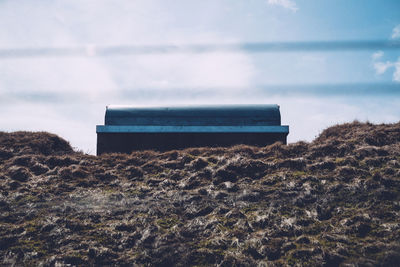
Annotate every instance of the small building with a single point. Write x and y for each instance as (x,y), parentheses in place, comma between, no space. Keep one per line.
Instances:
(129,128)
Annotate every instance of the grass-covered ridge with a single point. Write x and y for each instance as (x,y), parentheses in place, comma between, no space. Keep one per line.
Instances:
(333,201)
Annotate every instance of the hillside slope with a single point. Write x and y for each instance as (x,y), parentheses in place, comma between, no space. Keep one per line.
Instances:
(333,201)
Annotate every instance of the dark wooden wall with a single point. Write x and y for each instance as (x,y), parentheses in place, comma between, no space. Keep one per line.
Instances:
(128,142)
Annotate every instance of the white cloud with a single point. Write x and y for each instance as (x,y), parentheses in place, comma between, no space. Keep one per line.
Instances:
(396,32)
(396,74)
(87,78)
(381,67)
(209,70)
(73,23)
(377,55)
(289,4)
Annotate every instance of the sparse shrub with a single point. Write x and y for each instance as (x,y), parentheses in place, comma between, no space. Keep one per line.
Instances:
(106,176)
(79,173)
(35,142)
(20,174)
(199,163)
(5,154)
(24,160)
(223,175)
(39,168)
(134,172)
(293,164)
(61,161)
(65,173)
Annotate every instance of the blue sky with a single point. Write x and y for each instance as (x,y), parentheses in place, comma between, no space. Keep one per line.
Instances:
(68,95)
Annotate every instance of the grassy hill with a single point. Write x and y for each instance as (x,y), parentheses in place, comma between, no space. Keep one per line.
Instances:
(333,201)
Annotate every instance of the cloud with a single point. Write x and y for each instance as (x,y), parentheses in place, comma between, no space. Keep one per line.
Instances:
(396,74)
(289,4)
(396,32)
(69,23)
(87,78)
(381,67)
(377,55)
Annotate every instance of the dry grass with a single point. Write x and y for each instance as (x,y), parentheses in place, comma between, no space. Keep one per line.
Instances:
(329,202)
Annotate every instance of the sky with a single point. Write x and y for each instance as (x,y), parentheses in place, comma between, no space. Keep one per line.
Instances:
(67,95)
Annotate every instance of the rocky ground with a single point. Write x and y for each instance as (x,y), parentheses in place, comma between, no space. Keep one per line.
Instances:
(335,201)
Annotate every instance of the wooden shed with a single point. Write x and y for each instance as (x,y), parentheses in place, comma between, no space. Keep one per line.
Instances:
(128,128)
